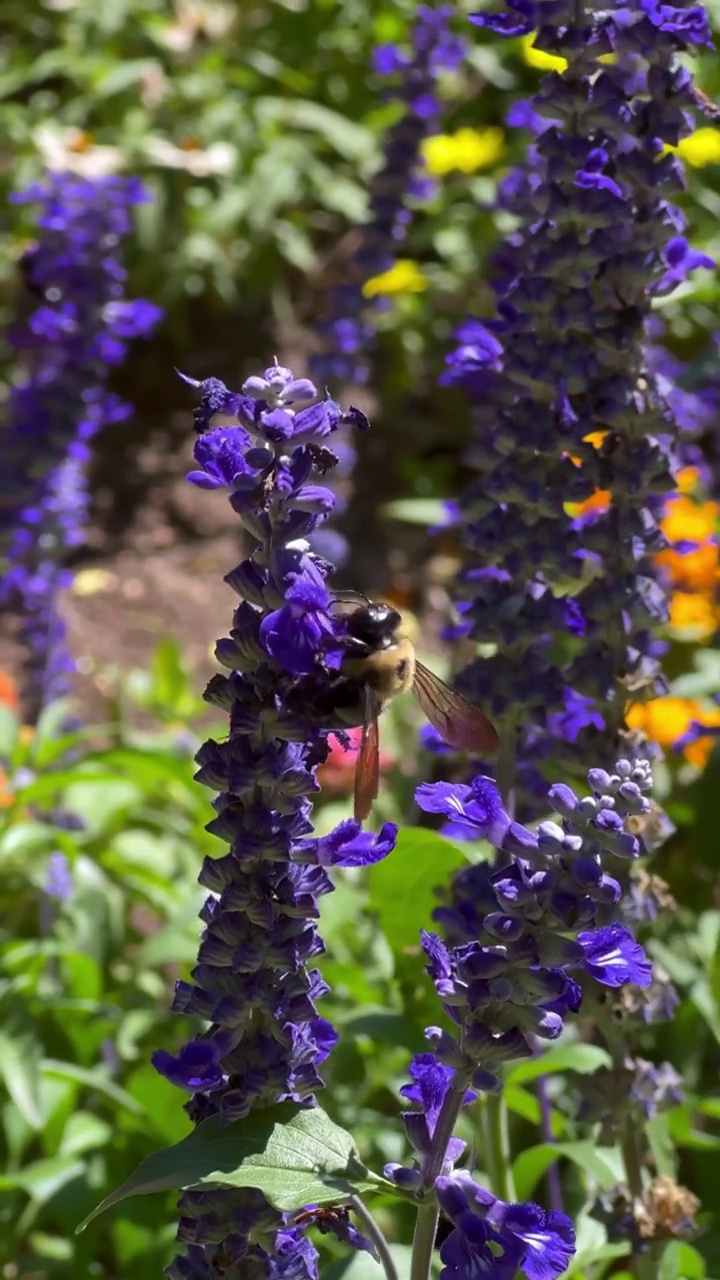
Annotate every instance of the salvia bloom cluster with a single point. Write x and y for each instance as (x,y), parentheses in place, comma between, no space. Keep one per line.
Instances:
(254,982)
(522,938)
(65,347)
(412,77)
(566,403)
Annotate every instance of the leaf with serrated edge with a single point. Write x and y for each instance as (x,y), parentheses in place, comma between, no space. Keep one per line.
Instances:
(295,1156)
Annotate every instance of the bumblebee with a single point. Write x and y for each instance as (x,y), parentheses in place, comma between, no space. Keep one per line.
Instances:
(379,663)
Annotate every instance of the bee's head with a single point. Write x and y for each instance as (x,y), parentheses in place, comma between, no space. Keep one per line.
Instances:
(374,625)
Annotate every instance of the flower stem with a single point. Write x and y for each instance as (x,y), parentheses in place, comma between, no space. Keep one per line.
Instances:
(428,1214)
(374,1233)
(443,1132)
(497,1147)
(552,1176)
(505,767)
(424,1240)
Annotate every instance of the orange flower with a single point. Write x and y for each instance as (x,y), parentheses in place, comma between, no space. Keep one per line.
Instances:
(8,692)
(664,720)
(687,479)
(598,501)
(695,575)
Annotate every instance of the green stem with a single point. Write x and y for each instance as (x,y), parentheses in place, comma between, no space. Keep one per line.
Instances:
(646,1263)
(424,1240)
(373,1232)
(429,1212)
(497,1146)
(505,766)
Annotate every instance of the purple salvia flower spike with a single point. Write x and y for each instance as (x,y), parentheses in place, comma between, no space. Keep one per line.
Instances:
(65,347)
(254,983)
(566,357)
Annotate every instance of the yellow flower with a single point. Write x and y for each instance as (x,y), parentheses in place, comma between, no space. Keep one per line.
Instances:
(687,479)
(404,277)
(466,150)
(664,720)
(538,58)
(701,148)
(691,610)
(688,521)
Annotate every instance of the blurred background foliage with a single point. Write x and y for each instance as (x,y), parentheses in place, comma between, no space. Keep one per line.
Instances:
(256,127)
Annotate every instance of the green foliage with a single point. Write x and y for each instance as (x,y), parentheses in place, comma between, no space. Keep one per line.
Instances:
(295,1157)
(85,992)
(256,126)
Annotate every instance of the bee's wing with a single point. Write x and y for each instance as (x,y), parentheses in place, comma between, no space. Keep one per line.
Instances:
(367,768)
(460,723)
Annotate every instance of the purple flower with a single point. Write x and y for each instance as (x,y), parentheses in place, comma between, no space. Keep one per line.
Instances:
(595,239)
(59,401)
(493,1238)
(476,807)
(518,932)
(613,957)
(349,846)
(297,634)
(255,983)
(680,260)
(58,880)
(195,1068)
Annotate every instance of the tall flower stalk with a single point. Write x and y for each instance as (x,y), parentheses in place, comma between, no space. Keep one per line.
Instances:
(566,403)
(59,401)
(521,937)
(254,981)
(347,331)
(412,77)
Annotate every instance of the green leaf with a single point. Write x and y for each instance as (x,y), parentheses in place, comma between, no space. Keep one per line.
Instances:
(402,887)
(352,141)
(703,835)
(680,1124)
(92,1079)
(9,730)
(43,1179)
(51,723)
(385,1027)
(26,838)
(294,1156)
(583,1058)
(703,681)
(522,1103)
(84,1132)
(424,511)
(125,75)
(170,681)
(20,1063)
(592,1247)
(100,802)
(681,1262)
(599,1164)
(359,1265)
(658,1135)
